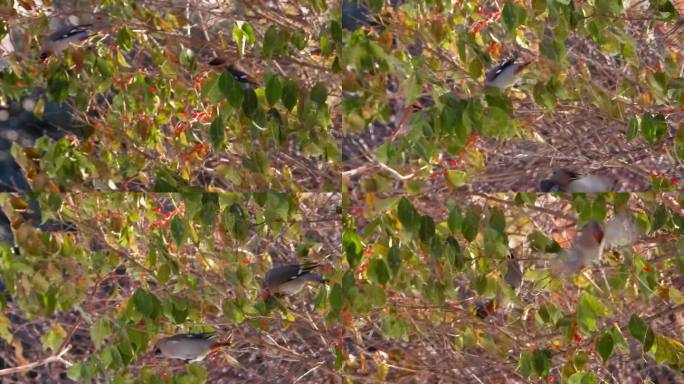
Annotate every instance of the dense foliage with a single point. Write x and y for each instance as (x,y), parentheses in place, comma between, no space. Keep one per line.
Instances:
(603,91)
(154,115)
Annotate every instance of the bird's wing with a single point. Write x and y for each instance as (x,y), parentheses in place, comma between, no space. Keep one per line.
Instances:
(69,31)
(193,336)
(493,73)
(621,231)
(592,183)
(284,273)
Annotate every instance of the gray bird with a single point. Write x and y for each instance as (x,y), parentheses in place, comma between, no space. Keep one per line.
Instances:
(236,70)
(63,37)
(565,180)
(189,346)
(505,74)
(587,248)
(355,15)
(514,273)
(289,279)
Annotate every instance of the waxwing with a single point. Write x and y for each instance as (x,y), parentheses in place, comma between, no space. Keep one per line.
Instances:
(189,346)
(505,74)
(239,73)
(587,247)
(289,279)
(565,180)
(62,38)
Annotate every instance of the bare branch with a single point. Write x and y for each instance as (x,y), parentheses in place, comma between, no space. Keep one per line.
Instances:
(27,367)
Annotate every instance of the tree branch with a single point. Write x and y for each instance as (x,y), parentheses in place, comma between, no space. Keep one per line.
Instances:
(35,364)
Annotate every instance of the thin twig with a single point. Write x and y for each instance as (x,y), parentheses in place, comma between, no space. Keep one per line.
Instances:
(27,367)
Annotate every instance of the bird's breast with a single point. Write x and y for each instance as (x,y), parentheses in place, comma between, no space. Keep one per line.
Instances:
(291,287)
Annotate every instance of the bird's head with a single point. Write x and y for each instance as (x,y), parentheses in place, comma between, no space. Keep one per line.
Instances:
(595,231)
(564,176)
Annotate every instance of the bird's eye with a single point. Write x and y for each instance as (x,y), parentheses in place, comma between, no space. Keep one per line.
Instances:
(157,351)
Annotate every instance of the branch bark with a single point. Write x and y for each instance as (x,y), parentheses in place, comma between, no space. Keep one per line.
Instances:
(27,367)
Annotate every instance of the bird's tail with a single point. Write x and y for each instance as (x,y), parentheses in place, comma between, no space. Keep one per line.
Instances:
(308,266)
(548,185)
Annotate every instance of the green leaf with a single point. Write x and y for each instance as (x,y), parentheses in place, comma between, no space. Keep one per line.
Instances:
(196,373)
(319,94)
(539,242)
(637,327)
(653,127)
(471,224)
(378,272)
(475,68)
(58,85)
(619,339)
(53,338)
(124,38)
(274,89)
(99,331)
(541,362)
(525,363)
(251,103)
(186,58)
(633,128)
(679,142)
(336,298)
(453,253)
(427,229)
(289,94)
(455,219)
(604,345)
(394,259)
(395,328)
(146,303)
(235,221)
(497,124)
(588,309)
(270,42)
(510,17)
(236,95)
(217,134)
(336,30)
(226,83)
(408,216)
(351,245)
(179,230)
(649,339)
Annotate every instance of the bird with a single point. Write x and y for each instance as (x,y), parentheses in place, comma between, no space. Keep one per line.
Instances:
(289,279)
(621,230)
(565,180)
(587,248)
(514,273)
(505,74)
(239,73)
(403,125)
(355,16)
(63,37)
(189,346)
